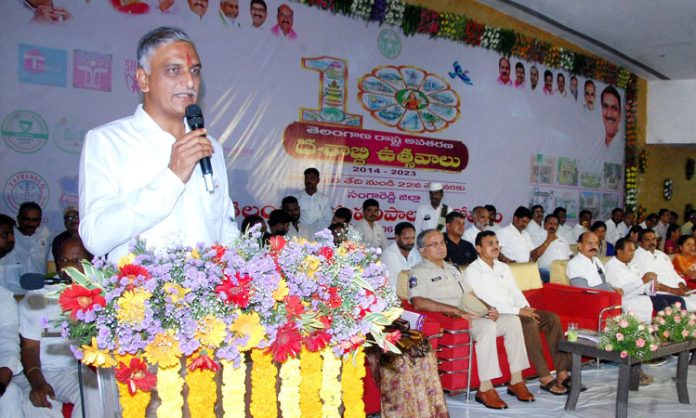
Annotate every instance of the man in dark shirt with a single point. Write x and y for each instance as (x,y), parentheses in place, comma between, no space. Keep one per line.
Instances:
(459,251)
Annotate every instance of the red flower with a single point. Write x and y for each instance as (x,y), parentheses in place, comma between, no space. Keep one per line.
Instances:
(237,294)
(203,362)
(327,253)
(132,272)
(277,243)
(288,343)
(317,340)
(393,337)
(335,300)
(294,306)
(76,299)
(136,376)
(326,320)
(219,252)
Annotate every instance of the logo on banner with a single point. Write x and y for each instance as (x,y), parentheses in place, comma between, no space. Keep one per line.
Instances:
(91,70)
(24,131)
(46,66)
(23,187)
(129,67)
(68,134)
(389,43)
(409,99)
(68,192)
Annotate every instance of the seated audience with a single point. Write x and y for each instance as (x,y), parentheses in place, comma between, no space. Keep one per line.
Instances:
(535,229)
(616,228)
(690,221)
(629,219)
(585,269)
(600,229)
(10,393)
(634,233)
(369,228)
(673,234)
(459,251)
(554,247)
(252,220)
(492,218)
(437,286)
(650,221)
(685,261)
(433,214)
(342,215)
(492,282)
(49,365)
(649,259)
(291,206)
(31,239)
(565,231)
(516,245)
(278,224)
(583,225)
(660,227)
(481,222)
(401,255)
(71,220)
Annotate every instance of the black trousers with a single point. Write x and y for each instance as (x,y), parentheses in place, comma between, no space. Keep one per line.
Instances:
(660,302)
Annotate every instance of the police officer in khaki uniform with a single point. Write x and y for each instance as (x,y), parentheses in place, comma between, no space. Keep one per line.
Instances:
(439,287)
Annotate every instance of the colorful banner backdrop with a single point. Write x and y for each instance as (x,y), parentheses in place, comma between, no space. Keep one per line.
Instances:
(379,114)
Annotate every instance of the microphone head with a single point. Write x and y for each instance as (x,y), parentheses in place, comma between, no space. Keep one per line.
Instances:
(32,281)
(194,116)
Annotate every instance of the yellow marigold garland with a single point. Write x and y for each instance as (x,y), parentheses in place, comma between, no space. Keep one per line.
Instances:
(132,406)
(289,396)
(202,391)
(263,386)
(233,389)
(352,384)
(330,386)
(310,369)
(169,386)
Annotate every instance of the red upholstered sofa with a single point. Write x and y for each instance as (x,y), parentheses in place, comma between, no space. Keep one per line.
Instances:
(584,306)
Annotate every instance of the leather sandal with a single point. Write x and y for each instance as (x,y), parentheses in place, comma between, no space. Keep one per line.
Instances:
(520,391)
(551,385)
(490,399)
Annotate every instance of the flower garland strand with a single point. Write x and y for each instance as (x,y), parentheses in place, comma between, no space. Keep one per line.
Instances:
(233,389)
(263,386)
(330,386)
(169,386)
(135,405)
(310,370)
(289,396)
(202,389)
(352,376)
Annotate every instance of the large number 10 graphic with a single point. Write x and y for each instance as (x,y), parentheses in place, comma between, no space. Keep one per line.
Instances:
(333,73)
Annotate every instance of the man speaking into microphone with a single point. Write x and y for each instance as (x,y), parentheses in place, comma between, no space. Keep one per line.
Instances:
(140,175)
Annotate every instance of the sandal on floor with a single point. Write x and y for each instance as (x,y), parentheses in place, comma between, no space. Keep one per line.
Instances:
(549,387)
(566,383)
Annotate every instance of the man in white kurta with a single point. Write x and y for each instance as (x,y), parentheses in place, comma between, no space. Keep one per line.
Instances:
(401,254)
(291,206)
(316,208)
(11,396)
(480,224)
(557,248)
(535,228)
(649,259)
(369,228)
(140,177)
(432,215)
(585,269)
(616,228)
(32,240)
(565,231)
(636,288)
(515,243)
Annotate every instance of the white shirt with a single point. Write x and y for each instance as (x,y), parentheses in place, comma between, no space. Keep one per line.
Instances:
(578,230)
(315,210)
(373,236)
(127,190)
(427,217)
(496,286)
(566,232)
(658,263)
(537,233)
(614,232)
(10,272)
(514,244)
(626,277)
(395,262)
(470,234)
(582,267)
(9,332)
(32,251)
(559,249)
(301,232)
(661,231)
(494,228)
(36,313)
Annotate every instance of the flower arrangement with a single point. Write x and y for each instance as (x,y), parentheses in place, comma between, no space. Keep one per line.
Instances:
(675,324)
(362,8)
(395,12)
(429,22)
(567,59)
(207,306)
(490,38)
(629,336)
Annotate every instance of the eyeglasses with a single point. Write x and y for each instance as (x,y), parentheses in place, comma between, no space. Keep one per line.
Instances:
(440,243)
(72,218)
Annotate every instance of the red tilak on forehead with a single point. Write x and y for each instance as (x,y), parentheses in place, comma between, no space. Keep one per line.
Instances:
(189,61)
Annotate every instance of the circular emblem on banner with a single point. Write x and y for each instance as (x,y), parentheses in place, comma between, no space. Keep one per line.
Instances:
(389,43)
(68,135)
(25,186)
(409,99)
(24,131)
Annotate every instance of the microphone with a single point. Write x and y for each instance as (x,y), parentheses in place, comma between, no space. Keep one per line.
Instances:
(35,281)
(194,118)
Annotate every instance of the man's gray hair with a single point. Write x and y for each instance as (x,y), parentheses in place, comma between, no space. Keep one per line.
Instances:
(162,36)
(420,240)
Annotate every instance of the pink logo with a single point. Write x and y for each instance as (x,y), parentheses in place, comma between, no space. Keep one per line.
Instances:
(91,70)
(34,61)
